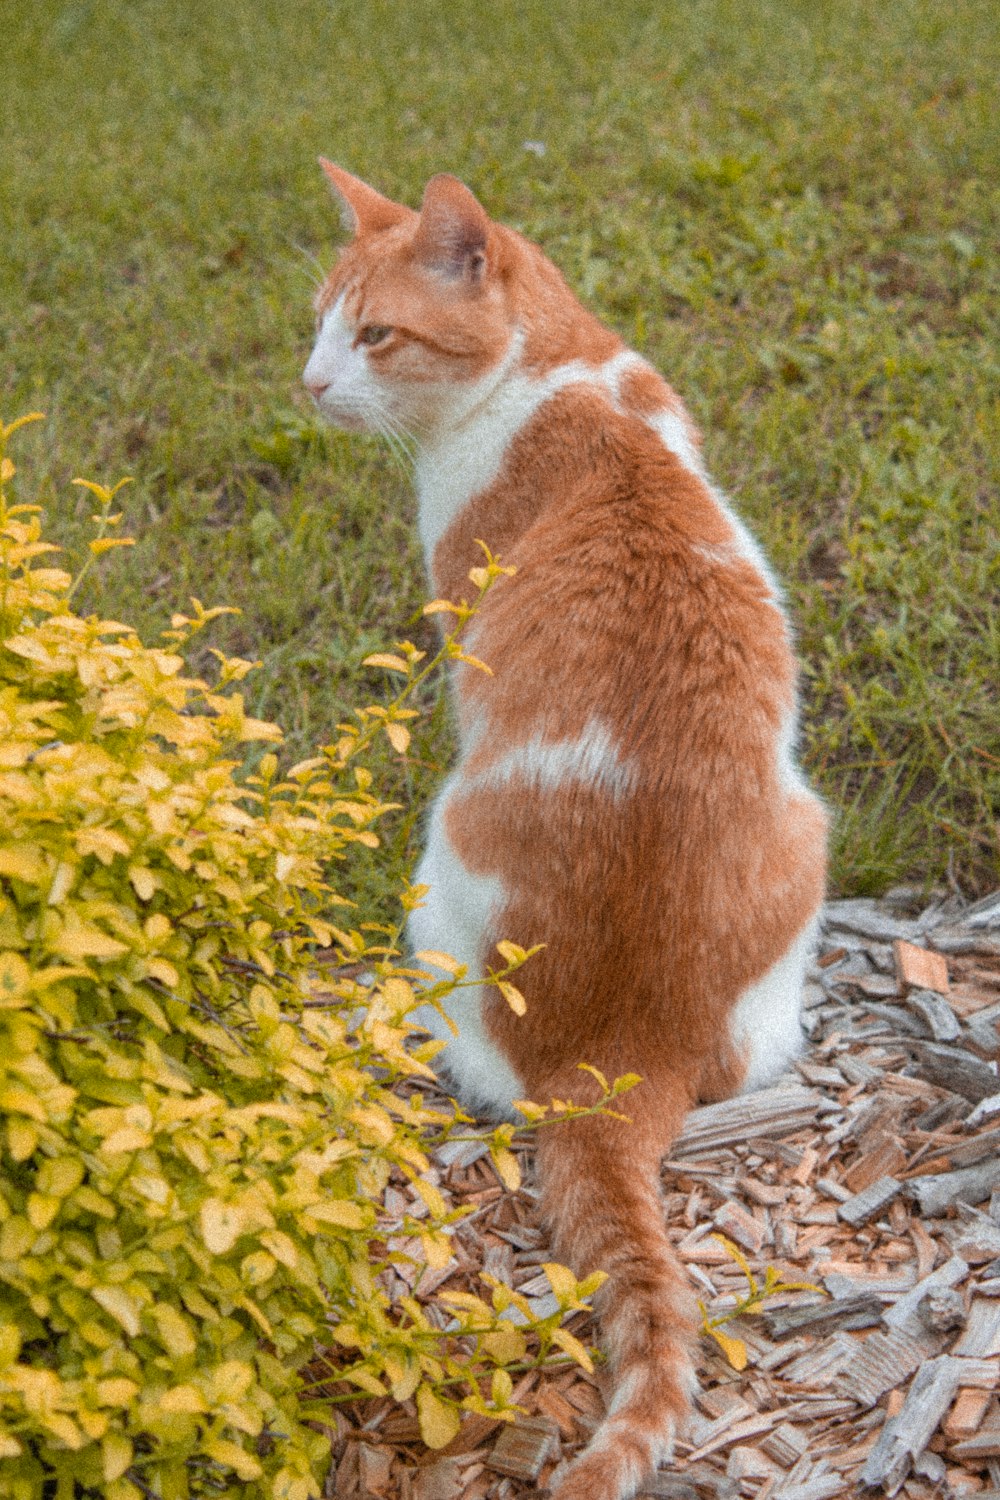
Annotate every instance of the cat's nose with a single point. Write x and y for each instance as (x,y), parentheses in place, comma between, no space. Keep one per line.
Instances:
(317,387)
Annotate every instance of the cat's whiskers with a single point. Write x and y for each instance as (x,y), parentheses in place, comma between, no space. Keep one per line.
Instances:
(400,440)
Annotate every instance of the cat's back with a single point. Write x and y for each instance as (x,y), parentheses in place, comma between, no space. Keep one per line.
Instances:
(636,595)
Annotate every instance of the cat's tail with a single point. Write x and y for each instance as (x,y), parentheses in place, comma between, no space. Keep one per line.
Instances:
(600,1193)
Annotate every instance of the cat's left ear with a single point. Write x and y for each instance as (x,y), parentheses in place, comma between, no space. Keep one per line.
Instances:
(454,230)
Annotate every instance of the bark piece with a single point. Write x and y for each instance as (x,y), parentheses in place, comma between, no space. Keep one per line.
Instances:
(374,1468)
(668,1487)
(786,1444)
(919,968)
(939,1191)
(961,943)
(967,1413)
(819,1367)
(740,1226)
(769,1112)
(871,1202)
(748,1462)
(943,1310)
(866,918)
(905,1314)
(736,1433)
(862,1311)
(905,1436)
(954,1068)
(820,1487)
(438,1481)
(882,1361)
(884,1157)
(937,1014)
(552,1404)
(985,1444)
(523,1446)
(981,1338)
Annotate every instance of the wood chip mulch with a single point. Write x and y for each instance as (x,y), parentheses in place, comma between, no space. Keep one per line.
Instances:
(872,1170)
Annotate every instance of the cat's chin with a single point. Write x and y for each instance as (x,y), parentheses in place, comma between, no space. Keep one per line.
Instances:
(347,421)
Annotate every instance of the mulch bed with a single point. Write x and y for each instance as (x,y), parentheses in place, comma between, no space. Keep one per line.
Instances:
(872,1170)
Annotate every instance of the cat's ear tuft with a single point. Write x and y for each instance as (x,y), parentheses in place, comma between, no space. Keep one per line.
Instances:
(362,209)
(454,230)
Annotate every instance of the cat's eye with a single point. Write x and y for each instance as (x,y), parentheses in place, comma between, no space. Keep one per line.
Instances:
(373,333)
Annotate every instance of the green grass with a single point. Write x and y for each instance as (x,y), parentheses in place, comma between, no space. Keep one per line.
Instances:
(791,208)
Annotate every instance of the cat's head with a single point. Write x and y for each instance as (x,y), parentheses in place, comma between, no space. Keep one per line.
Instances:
(416,311)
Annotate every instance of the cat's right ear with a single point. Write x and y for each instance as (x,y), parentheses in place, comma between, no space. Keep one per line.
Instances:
(362,209)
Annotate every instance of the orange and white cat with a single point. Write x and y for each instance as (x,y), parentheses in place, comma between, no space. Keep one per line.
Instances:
(626,789)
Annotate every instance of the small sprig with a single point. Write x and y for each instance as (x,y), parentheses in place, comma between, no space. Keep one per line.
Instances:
(735,1349)
(415,667)
(101,543)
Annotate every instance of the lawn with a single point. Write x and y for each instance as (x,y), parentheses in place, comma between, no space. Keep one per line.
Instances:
(790,208)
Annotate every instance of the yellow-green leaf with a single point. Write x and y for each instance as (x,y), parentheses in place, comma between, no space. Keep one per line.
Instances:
(387,660)
(221,1225)
(507,1167)
(174,1330)
(15,979)
(561,1280)
(734,1349)
(438,1423)
(123,1308)
(572,1346)
(340,1211)
(80,939)
(116,1454)
(399,737)
(22,1138)
(24,862)
(243,1464)
(439,960)
(513,996)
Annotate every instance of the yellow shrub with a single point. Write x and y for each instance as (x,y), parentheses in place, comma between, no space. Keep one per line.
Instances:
(194,1149)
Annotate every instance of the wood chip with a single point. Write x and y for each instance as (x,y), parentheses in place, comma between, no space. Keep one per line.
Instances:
(740,1226)
(523,1446)
(786,1444)
(770,1112)
(438,1481)
(936,1193)
(870,1203)
(883,1157)
(919,968)
(955,1068)
(881,1362)
(938,1015)
(904,1314)
(862,1311)
(981,1336)
(985,1444)
(905,1436)
(967,1413)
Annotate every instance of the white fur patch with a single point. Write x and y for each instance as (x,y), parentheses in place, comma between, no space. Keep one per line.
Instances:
(456,918)
(467,458)
(348,395)
(790,777)
(592,758)
(677,439)
(765,1025)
